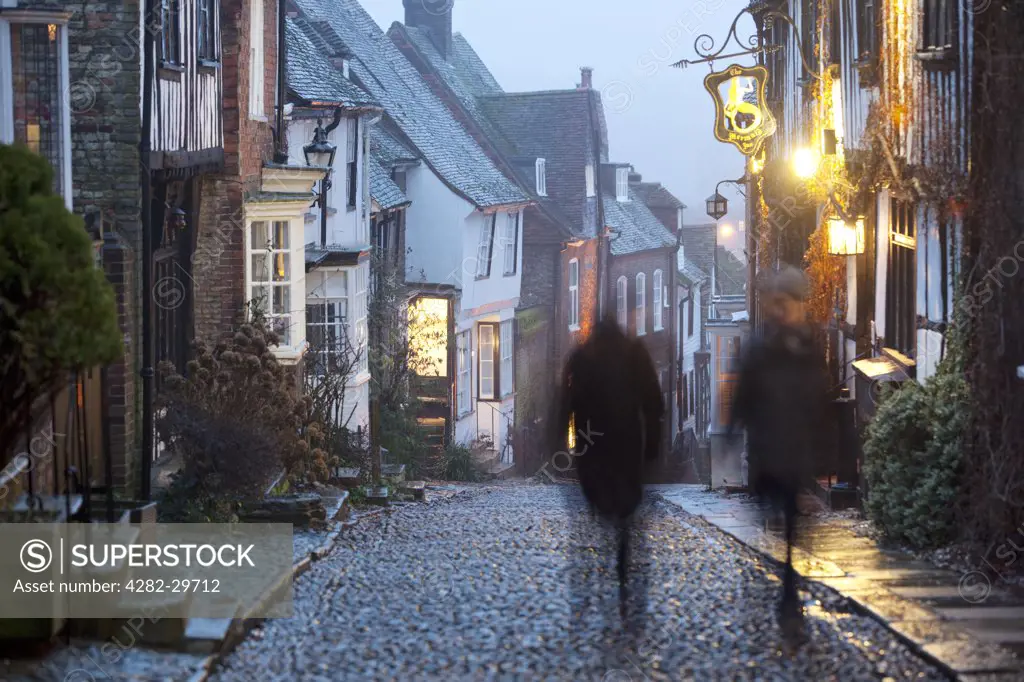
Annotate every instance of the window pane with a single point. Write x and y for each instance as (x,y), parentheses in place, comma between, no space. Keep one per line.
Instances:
(260,236)
(282,266)
(282,299)
(280,235)
(260,267)
(261,298)
(282,325)
(38,106)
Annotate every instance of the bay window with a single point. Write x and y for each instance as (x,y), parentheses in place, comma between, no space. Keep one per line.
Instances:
(507,373)
(574,294)
(641,304)
(658,304)
(359,313)
(270,258)
(35,96)
(327,322)
(622,184)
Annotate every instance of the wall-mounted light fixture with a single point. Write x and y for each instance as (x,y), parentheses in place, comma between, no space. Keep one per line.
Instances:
(805,163)
(845,238)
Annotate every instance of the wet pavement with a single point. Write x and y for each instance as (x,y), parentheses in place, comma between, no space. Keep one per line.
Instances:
(963,622)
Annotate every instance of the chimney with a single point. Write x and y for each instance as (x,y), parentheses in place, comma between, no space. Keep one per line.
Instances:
(635,178)
(340,61)
(435,17)
(586,78)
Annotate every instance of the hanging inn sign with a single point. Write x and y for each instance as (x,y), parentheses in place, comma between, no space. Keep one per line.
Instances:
(742,117)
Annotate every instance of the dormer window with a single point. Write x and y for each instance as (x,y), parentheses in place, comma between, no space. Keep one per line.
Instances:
(622,184)
(542,181)
(345,70)
(590,180)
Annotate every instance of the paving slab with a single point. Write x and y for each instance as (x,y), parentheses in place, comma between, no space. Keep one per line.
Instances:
(974,657)
(929,631)
(983,613)
(889,607)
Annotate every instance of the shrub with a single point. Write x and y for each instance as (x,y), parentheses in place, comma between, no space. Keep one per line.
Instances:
(236,420)
(57,310)
(406,444)
(458,464)
(914,459)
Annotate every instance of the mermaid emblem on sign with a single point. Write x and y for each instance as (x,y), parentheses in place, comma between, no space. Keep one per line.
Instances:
(741,115)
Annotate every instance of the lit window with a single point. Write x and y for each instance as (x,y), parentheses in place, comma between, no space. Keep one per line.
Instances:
(270,260)
(622,184)
(485,247)
(621,304)
(542,181)
(510,243)
(574,294)
(641,304)
(507,373)
(257,108)
(658,300)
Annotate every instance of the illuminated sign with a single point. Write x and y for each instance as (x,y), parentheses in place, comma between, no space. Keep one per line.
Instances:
(741,116)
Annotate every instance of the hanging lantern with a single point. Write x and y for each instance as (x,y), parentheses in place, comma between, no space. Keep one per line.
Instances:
(845,239)
(717,206)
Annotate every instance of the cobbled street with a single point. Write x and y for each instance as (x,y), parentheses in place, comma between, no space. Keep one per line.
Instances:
(480,587)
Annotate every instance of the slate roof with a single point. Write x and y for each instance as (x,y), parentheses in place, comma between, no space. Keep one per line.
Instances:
(690,272)
(655,195)
(383,71)
(732,273)
(638,229)
(312,77)
(383,189)
(387,150)
(554,125)
(699,242)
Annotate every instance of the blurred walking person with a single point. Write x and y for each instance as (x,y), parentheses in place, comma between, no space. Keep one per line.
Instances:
(611,401)
(782,402)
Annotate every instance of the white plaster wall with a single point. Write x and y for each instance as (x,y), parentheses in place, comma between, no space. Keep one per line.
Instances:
(436,226)
(929,353)
(497,287)
(882,261)
(345,227)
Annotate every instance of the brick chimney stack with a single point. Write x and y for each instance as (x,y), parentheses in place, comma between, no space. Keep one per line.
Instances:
(586,78)
(435,16)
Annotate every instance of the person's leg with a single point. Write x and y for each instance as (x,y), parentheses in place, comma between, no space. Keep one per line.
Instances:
(623,564)
(789,591)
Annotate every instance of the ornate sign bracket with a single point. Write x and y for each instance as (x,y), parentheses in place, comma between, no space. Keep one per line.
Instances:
(742,119)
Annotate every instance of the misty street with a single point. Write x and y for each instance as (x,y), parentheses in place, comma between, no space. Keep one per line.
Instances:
(478,587)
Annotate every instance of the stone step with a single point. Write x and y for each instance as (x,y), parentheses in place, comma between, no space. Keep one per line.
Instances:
(393,473)
(418,489)
(378,496)
(348,477)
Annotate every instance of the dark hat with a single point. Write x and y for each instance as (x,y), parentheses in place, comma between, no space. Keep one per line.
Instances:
(789,282)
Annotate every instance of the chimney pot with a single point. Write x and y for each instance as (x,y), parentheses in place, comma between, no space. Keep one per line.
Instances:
(586,78)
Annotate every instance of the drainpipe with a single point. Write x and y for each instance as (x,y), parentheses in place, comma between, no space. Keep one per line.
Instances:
(602,242)
(280,154)
(148,350)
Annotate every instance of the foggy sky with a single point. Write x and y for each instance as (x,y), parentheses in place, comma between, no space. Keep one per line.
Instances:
(659,117)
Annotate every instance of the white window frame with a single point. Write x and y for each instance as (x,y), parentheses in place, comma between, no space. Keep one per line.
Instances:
(589,179)
(641,304)
(59,21)
(622,302)
(622,184)
(352,184)
(506,344)
(485,247)
(464,373)
(542,181)
(510,244)
(341,327)
(257,61)
(659,301)
(360,310)
(284,258)
(487,360)
(574,294)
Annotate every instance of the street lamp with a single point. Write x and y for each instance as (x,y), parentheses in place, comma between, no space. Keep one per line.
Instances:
(805,163)
(320,152)
(845,238)
(717,206)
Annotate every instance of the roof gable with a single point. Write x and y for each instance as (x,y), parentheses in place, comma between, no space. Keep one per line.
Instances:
(388,76)
(637,228)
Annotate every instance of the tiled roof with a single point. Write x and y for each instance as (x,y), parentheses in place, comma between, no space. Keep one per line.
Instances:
(699,243)
(638,229)
(381,69)
(554,125)
(732,273)
(690,272)
(383,189)
(312,77)
(655,195)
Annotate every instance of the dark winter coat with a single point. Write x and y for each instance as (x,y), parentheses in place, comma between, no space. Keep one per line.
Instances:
(611,388)
(783,401)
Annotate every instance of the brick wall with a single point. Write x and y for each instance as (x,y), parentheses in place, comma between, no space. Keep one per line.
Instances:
(566,340)
(660,344)
(105,77)
(534,387)
(219,265)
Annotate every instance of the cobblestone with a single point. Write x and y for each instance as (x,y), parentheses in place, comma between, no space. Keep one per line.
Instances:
(481,587)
